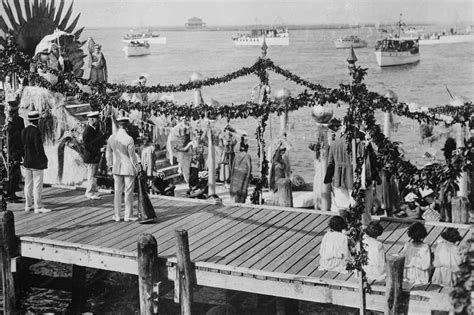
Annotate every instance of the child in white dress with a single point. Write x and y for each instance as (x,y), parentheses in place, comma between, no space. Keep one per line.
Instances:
(447,258)
(417,255)
(334,252)
(375,269)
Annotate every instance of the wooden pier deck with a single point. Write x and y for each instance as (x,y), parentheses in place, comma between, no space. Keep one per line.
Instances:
(258,249)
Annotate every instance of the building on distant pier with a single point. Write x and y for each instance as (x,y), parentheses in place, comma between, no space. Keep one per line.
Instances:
(195,23)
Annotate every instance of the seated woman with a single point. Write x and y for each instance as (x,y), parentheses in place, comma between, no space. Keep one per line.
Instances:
(160,186)
(375,269)
(201,190)
(417,255)
(334,252)
(447,258)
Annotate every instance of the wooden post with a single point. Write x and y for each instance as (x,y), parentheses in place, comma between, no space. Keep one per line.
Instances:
(78,286)
(284,122)
(211,159)
(8,248)
(394,283)
(362,308)
(284,197)
(387,124)
(460,210)
(184,272)
(147,273)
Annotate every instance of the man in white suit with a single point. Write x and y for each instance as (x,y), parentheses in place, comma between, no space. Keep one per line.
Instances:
(121,157)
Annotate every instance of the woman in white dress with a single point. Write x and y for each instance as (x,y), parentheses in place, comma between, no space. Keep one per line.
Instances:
(417,255)
(334,252)
(375,269)
(447,258)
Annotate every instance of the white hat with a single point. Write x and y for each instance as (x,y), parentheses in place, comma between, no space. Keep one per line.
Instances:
(93,114)
(425,192)
(33,115)
(411,197)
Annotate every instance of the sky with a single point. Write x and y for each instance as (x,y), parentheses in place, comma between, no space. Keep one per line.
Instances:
(141,13)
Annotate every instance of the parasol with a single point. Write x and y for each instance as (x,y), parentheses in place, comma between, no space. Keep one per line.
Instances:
(57,37)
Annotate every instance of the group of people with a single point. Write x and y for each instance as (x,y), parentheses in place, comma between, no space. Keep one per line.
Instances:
(421,264)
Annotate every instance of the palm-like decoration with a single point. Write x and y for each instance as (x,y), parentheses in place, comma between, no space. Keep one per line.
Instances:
(40,19)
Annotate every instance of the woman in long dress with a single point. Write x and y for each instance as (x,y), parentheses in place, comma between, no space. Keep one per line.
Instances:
(227,141)
(279,167)
(447,258)
(241,173)
(97,63)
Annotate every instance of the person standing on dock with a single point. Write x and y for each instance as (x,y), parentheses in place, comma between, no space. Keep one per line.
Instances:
(123,161)
(35,162)
(15,126)
(94,140)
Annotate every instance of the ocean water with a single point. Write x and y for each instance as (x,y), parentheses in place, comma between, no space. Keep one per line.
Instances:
(311,55)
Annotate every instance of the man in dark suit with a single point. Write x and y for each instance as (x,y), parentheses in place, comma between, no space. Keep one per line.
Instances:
(35,162)
(15,126)
(94,140)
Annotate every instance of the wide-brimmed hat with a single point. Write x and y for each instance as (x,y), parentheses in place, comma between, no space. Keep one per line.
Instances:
(426,192)
(33,115)
(203,174)
(93,115)
(229,127)
(451,235)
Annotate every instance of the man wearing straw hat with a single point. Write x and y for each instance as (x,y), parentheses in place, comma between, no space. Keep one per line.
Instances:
(123,161)
(15,126)
(93,139)
(35,162)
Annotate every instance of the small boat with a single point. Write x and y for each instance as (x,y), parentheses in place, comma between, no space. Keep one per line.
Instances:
(134,49)
(273,37)
(350,41)
(150,37)
(397,51)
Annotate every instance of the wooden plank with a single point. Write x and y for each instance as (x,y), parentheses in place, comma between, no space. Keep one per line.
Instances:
(229,240)
(102,227)
(86,258)
(284,243)
(41,224)
(293,254)
(249,243)
(163,232)
(320,294)
(206,227)
(128,231)
(99,232)
(203,237)
(265,246)
(123,240)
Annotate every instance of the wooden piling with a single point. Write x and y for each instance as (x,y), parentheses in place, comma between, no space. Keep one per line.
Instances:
(147,273)
(8,249)
(326,188)
(78,289)
(284,196)
(185,272)
(394,282)
(460,210)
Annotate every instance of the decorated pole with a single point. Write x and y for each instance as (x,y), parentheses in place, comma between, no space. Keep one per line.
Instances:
(352,68)
(387,180)
(460,136)
(211,160)
(387,119)
(283,96)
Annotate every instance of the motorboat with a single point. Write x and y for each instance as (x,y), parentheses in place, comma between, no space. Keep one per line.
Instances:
(443,38)
(394,51)
(273,37)
(150,37)
(135,49)
(350,41)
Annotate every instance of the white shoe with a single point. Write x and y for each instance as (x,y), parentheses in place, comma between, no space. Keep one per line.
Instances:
(131,219)
(93,197)
(116,219)
(28,209)
(42,210)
